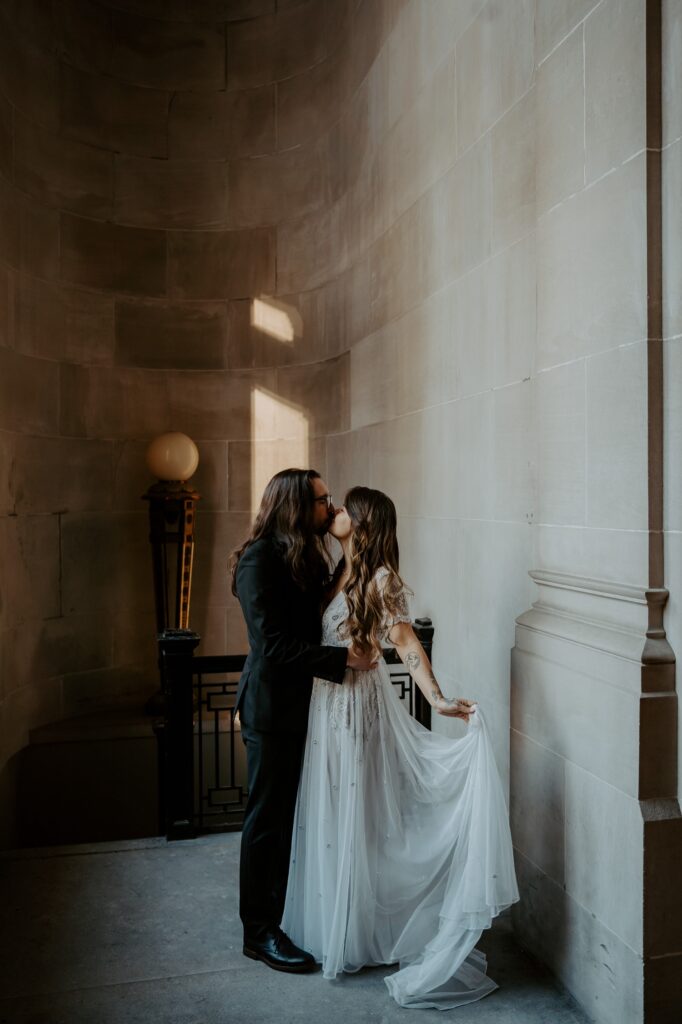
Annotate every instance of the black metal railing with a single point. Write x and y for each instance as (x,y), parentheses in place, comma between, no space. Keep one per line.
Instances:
(202,763)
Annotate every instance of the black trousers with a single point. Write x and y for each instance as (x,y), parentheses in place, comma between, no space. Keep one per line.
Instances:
(274,768)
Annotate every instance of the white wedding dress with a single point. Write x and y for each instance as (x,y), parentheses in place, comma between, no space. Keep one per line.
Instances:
(401,849)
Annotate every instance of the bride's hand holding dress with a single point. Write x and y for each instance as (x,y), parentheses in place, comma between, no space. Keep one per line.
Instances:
(454,707)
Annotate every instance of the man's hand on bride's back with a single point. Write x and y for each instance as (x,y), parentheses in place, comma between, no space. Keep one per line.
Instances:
(361,661)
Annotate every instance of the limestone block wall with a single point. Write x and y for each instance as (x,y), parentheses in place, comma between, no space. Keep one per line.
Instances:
(495,257)
(149,161)
(434,248)
(594,710)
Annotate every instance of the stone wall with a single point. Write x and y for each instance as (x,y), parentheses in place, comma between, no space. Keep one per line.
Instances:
(594,710)
(149,157)
(428,254)
(497,255)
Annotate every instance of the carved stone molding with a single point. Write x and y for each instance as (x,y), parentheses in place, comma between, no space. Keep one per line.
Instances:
(609,617)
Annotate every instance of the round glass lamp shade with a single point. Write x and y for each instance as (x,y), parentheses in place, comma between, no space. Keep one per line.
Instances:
(173,456)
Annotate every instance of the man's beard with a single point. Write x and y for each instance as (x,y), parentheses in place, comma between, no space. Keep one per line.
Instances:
(324,528)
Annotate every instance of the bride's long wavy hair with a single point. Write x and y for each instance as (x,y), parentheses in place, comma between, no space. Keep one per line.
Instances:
(373,545)
(286,513)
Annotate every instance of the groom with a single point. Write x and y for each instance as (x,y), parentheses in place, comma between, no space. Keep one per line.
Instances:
(278,575)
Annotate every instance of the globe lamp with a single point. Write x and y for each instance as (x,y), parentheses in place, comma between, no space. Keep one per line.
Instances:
(173,457)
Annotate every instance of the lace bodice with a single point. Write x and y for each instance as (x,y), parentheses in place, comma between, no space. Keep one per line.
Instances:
(336,613)
(354,707)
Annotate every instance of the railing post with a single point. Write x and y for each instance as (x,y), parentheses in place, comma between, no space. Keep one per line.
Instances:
(176,779)
(423,629)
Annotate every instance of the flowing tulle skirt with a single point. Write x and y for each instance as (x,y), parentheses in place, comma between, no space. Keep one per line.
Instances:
(401,849)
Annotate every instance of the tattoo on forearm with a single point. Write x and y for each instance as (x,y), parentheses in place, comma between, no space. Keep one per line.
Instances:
(439,698)
(413,661)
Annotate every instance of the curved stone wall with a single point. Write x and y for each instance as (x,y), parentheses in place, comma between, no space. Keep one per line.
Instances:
(151,158)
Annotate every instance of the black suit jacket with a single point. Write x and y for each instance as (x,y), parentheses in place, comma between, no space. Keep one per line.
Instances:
(283,624)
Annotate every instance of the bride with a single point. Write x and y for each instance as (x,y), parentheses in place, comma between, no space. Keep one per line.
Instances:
(401,849)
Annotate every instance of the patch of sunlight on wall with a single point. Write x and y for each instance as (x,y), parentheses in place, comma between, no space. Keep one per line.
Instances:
(277,319)
(279,435)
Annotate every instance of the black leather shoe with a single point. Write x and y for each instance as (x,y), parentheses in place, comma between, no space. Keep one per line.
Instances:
(278,951)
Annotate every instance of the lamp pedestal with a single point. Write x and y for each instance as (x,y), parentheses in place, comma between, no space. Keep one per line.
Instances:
(172,507)
(171,533)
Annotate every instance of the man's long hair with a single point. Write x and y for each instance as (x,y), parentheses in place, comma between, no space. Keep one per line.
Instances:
(286,514)
(373,545)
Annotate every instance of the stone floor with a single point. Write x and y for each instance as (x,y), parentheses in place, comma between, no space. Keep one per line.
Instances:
(145,931)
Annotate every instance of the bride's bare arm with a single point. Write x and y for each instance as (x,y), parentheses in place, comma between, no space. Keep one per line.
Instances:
(413,656)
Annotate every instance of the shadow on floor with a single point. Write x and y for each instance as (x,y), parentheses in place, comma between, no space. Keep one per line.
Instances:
(144,931)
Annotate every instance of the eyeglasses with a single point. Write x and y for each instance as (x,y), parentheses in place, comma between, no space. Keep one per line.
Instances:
(326,498)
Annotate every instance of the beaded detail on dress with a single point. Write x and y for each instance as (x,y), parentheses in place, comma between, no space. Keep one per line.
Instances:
(354,705)
(354,708)
(335,615)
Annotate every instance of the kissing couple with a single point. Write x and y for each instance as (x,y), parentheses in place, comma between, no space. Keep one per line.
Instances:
(367,838)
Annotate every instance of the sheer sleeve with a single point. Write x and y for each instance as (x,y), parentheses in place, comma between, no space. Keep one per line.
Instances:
(401,612)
